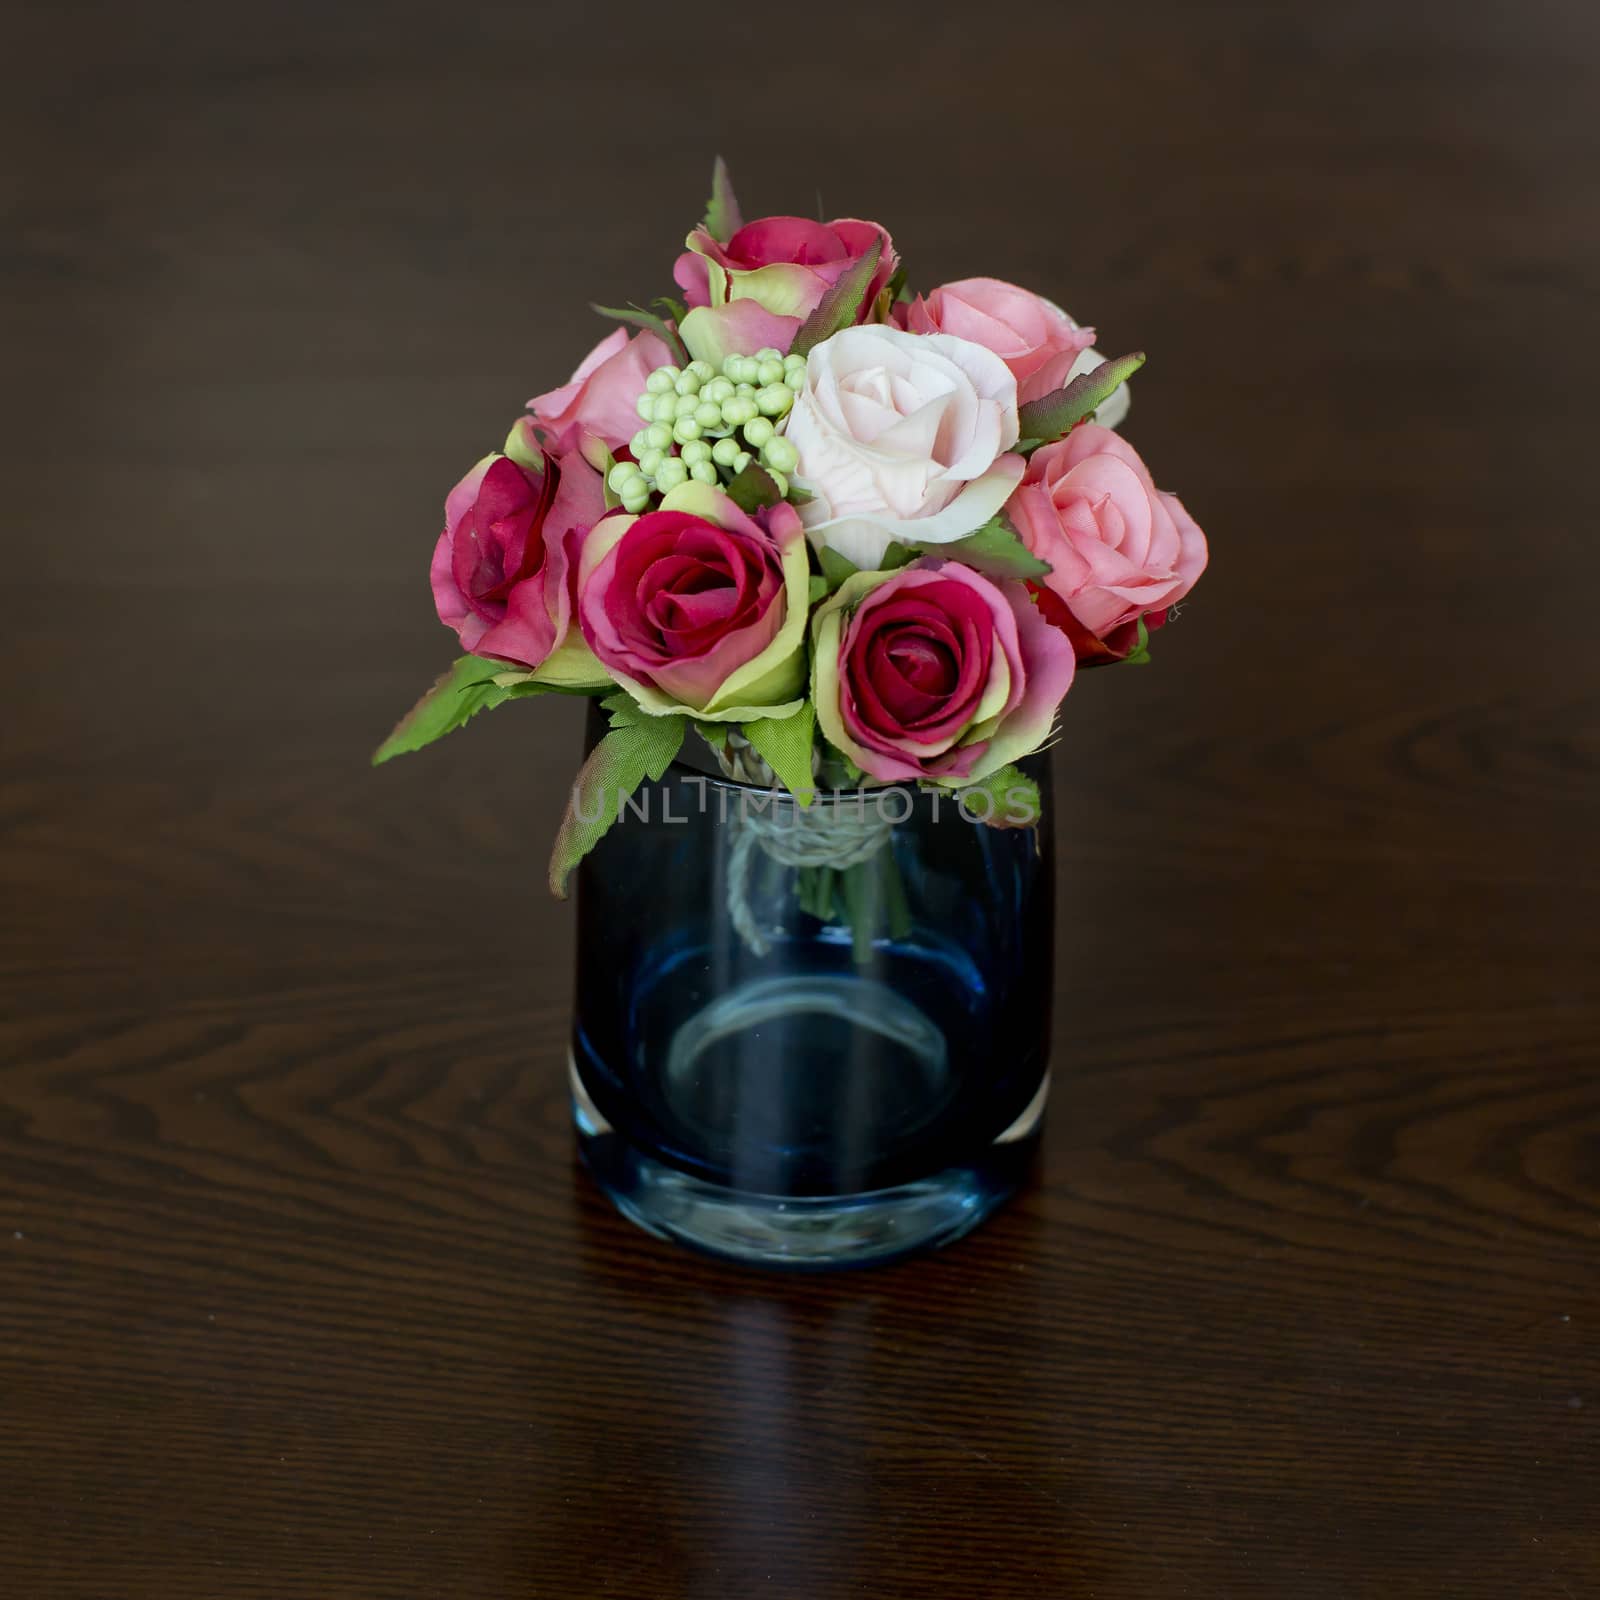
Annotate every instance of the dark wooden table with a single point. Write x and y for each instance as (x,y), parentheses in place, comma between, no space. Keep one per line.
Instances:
(301,1290)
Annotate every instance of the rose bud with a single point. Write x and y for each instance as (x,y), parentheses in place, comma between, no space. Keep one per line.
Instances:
(756,290)
(502,567)
(1036,339)
(598,402)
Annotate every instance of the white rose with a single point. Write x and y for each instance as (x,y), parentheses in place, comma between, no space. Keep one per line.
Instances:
(902,437)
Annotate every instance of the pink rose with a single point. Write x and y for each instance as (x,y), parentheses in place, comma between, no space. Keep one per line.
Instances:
(600,399)
(935,672)
(513,529)
(756,290)
(1118,547)
(700,607)
(1038,341)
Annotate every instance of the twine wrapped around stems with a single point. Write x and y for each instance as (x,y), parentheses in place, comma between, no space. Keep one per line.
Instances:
(840,834)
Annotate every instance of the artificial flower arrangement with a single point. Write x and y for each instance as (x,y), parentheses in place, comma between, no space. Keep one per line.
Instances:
(848,534)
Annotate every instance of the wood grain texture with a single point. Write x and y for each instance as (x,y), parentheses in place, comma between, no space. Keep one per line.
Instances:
(301,1292)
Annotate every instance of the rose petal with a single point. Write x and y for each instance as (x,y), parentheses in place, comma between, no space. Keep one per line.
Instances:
(864,539)
(712,333)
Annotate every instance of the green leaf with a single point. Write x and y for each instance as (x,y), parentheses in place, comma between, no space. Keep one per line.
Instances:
(528,688)
(623,711)
(896,556)
(638,746)
(456,697)
(520,684)
(818,589)
(892,293)
(997,550)
(603,466)
(841,305)
(838,771)
(753,488)
(638,317)
(673,310)
(835,567)
(722,219)
(1139,656)
(1005,799)
(1052,416)
(784,743)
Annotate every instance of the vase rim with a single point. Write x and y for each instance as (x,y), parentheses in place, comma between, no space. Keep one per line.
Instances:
(711,773)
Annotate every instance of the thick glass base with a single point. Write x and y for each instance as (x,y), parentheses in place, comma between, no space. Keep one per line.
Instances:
(776,1230)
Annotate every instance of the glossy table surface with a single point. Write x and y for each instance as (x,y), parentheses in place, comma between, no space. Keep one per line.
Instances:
(301,1290)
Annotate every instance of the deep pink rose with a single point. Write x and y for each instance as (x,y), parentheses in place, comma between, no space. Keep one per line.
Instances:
(756,290)
(512,535)
(935,672)
(1119,548)
(1038,341)
(698,606)
(600,399)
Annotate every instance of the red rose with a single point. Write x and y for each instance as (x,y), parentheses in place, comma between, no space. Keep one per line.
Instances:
(699,606)
(756,290)
(500,568)
(935,672)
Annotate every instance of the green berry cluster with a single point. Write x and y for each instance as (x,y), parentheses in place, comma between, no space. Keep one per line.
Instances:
(709,425)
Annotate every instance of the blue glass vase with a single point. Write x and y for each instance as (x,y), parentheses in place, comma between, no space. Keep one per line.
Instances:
(810,1037)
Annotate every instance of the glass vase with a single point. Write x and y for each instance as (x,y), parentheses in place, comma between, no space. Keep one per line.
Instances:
(811,1037)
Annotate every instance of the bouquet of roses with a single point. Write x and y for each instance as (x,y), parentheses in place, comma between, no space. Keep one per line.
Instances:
(848,534)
